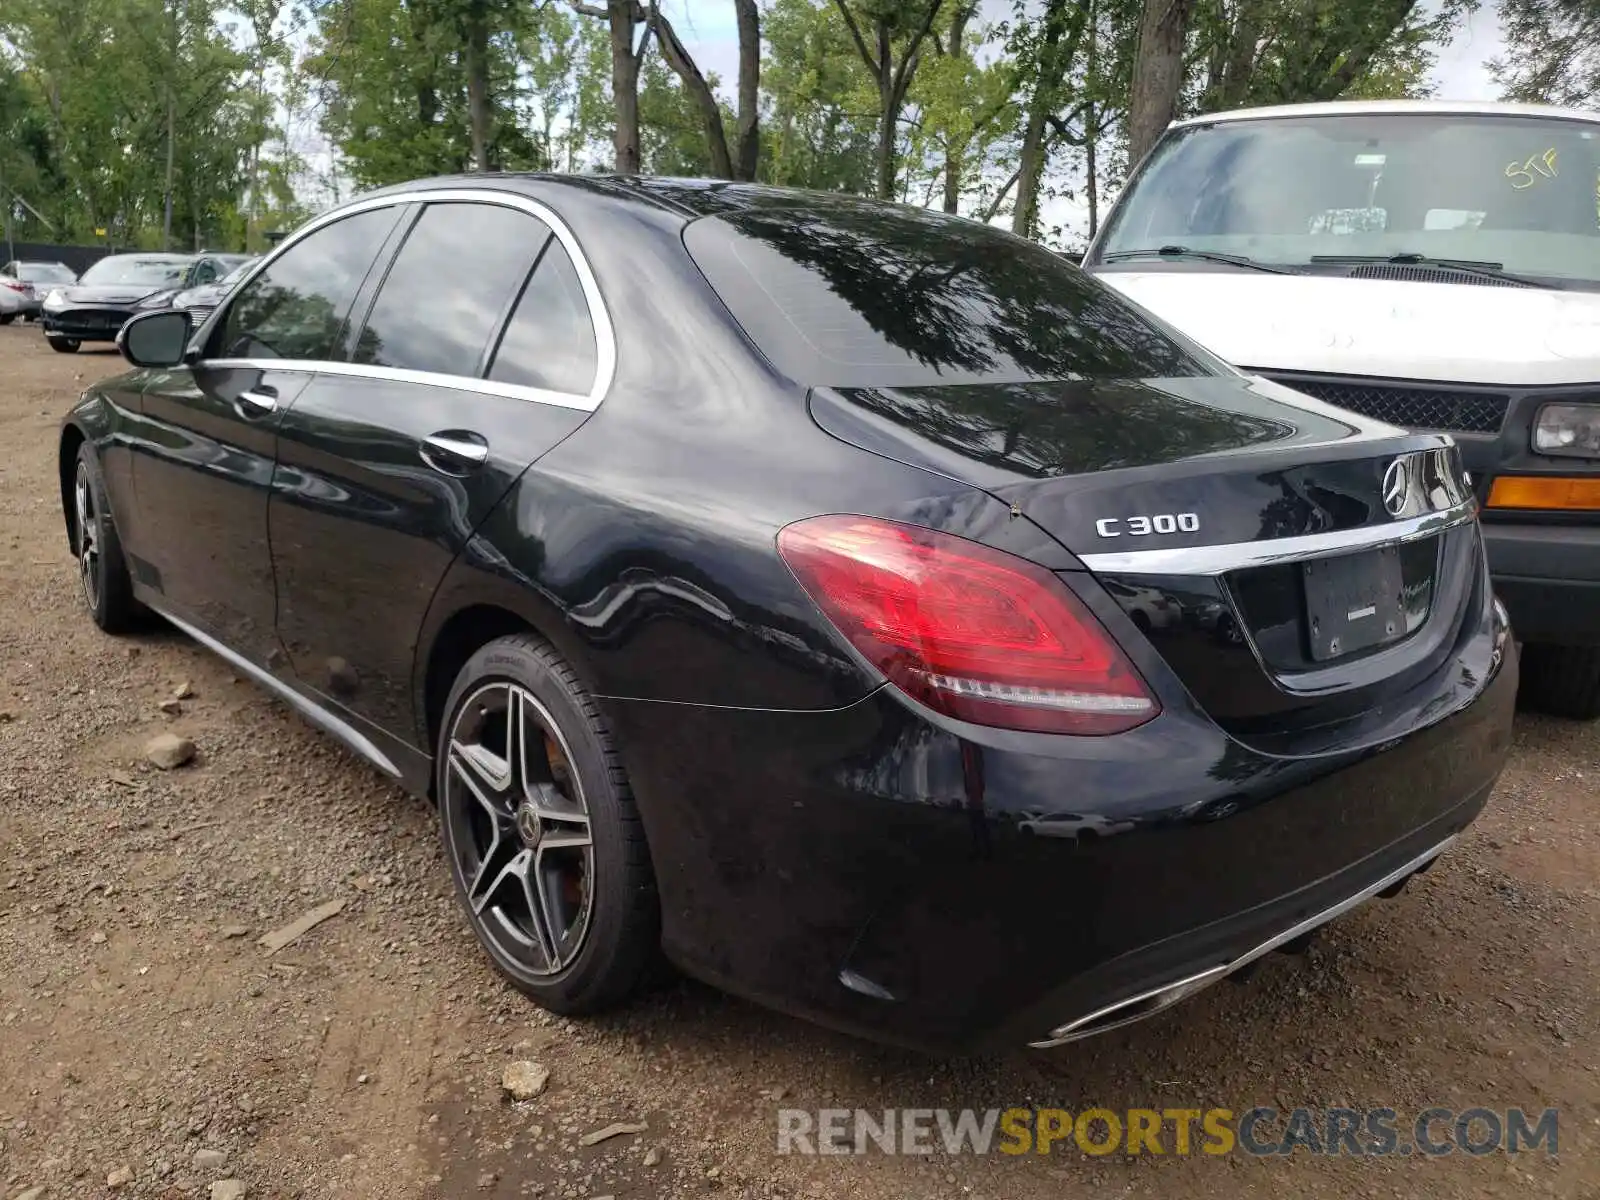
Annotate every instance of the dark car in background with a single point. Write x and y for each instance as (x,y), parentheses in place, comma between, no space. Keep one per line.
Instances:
(96,307)
(23,286)
(756,576)
(198,301)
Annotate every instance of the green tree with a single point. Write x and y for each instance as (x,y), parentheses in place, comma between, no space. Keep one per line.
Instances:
(1552,51)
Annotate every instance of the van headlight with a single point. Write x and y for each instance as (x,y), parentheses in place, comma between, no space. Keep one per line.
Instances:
(1572,429)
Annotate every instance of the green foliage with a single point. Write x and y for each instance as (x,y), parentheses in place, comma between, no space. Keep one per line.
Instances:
(965,113)
(1552,51)
(821,127)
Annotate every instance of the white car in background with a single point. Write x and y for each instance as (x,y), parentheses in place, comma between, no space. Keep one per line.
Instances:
(1435,265)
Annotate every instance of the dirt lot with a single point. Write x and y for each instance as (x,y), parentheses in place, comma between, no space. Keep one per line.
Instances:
(140,1022)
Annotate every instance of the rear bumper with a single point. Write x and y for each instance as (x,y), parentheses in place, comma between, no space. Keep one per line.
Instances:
(965,890)
(1548,577)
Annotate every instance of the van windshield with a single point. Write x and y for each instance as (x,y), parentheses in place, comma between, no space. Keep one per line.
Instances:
(1516,193)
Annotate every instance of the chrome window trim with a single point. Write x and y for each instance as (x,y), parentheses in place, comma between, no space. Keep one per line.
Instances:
(1235,556)
(460,383)
(599,315)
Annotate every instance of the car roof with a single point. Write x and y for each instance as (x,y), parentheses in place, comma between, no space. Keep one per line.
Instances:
(1347,108)
(689,198)
(152,256)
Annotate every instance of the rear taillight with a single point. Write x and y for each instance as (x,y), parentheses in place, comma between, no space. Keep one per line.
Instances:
(13,285)
(968,631)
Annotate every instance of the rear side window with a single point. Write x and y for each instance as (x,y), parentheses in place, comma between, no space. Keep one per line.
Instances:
(450,287)
(42,273)
(296,308)
(550,340)
(847,294)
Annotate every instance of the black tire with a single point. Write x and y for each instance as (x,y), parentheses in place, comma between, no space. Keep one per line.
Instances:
(1562,681)
(102,571)
(7,318)
(599,907)
(63,345)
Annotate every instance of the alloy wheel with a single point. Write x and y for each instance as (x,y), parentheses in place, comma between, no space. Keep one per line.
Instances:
(518,829)
(88,522)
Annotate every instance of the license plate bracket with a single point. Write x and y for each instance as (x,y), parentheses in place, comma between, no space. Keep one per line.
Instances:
(1353,602)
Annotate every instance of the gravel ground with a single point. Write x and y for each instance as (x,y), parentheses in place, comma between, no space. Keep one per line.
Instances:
(150,1047)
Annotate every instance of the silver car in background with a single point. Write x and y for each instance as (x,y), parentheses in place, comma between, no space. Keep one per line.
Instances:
(24,285)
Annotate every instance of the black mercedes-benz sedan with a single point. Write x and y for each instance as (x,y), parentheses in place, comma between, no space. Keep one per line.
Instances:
(858,605)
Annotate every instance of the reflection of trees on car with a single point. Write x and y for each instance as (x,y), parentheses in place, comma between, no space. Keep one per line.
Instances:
(967,300)
(1011,426)
(279,322)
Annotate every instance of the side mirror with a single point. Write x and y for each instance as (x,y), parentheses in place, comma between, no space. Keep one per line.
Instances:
(155,339)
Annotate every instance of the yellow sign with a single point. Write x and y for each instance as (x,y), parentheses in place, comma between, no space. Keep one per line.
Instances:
(99,233)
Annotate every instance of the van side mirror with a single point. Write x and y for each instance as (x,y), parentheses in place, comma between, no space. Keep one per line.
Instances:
(155,339)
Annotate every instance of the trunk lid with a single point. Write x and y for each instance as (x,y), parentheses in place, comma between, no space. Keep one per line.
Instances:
(1297,567)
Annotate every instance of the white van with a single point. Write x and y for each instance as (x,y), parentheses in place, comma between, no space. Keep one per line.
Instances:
(1432,264)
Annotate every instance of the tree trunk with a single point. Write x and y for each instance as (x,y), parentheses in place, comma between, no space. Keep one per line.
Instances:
(747,150)
(954,155)
(678,58)
(1063,34)
(1157,73)
(477,64)
(1030,168)
(888,114)
(888,119)
(894,80)
(1091,116)
(166,220)
(624,85)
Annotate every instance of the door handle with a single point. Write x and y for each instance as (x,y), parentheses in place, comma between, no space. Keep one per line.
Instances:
(454,452)
(261,402)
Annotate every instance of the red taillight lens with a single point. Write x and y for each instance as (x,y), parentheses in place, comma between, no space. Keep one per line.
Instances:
(13,285)
(969,631)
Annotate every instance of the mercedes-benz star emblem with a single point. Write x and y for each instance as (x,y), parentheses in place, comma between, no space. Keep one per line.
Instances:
(529,827)
(1397,486)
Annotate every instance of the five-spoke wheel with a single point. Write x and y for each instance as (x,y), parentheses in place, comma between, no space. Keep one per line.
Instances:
(87,533)
(102,571)
(518,827)
(540,830)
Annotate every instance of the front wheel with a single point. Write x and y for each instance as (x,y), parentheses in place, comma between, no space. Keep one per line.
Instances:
(7,318)
(63,345)
(102,572)
(541,832)
(1563,681)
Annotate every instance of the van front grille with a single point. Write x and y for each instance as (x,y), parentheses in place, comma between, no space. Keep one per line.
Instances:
(1408,405)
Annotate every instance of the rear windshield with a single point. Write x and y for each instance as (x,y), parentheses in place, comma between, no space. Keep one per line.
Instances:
(858,295)
(44,273)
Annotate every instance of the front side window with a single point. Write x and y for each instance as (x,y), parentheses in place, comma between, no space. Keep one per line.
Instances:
(296,308)
(549,342)
(1521,194)
(449,287)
